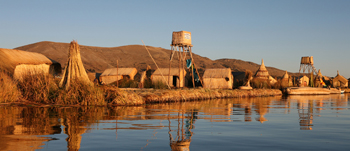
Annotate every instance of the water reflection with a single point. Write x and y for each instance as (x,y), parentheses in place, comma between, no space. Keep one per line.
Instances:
(27,125)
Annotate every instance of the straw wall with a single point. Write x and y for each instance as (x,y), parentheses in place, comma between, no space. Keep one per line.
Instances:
(110,79)
(217,83)
(180,82)
(25,69)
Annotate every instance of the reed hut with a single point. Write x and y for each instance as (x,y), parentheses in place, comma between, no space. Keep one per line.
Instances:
(114,74)
(286,80)
(339,81)
(218,78)
(262,72)
(272,80)
(18,63)
(303,81)
(176,77)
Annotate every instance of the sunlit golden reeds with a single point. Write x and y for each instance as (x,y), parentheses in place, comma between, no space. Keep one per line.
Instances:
(201,94)
(8,89)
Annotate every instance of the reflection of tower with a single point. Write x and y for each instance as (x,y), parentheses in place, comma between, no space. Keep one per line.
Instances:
(183,134)
(305,111)
(261,109)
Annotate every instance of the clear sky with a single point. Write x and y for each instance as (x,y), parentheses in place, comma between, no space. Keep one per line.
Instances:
(278,31)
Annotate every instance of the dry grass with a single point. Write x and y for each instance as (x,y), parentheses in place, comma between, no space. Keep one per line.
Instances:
(39,88)
(43,89)
(117,97)
(8,89)
(201,94)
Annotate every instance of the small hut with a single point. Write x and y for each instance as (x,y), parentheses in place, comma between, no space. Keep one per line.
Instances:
(262,72)
(286,80)
(303,81)
(218,78)
(113,74)
(339,81)
(176,77)
(18,63)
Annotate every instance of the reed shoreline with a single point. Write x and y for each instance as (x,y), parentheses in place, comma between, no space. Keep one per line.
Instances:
(43,90)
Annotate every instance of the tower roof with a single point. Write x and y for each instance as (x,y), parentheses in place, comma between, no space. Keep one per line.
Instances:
(262,71)
(286,76)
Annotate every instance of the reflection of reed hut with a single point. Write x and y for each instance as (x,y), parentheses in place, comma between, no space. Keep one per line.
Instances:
(339,81)
(303,81)
(176,77)
(218,78)
(19,63)
(262,72)
(113,74)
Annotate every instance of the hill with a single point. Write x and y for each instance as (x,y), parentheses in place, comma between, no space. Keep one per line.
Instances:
(97,59)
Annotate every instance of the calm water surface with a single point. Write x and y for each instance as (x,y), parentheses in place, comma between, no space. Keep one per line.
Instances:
(271,123)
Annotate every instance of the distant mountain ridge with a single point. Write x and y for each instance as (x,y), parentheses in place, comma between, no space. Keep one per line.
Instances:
(97,59)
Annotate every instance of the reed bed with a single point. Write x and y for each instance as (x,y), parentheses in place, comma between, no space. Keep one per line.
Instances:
(8,89)
(116,97)
(202,94)
(43,89)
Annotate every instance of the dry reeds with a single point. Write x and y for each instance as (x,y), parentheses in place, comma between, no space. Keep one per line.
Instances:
(201,94)
(117,97)
(74,69)
(39,88)
(8,89)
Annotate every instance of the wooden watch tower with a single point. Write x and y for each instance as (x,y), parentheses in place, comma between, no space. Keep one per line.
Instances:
(307,63)
(181,44)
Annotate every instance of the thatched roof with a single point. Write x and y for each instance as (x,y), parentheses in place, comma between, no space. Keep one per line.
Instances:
(165,72)
(340,78)
(272,80)
(286,76)
(217,73)
(262,71)
(10,58)
(120,71)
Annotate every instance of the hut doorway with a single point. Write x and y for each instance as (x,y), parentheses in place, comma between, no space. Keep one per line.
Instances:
(175,80)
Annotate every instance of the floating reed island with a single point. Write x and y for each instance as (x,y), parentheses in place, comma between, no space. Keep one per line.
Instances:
(203,94)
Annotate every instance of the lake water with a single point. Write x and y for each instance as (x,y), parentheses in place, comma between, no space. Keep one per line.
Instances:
(268,123)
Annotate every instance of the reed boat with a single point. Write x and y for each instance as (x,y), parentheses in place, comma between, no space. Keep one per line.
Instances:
(245,87)
(309,91)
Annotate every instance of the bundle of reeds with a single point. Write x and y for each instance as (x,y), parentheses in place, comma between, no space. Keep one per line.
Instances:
(74,69)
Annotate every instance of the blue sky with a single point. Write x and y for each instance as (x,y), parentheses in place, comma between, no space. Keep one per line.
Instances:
(278,31)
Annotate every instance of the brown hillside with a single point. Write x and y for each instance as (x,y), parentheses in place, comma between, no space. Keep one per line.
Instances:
(100,58)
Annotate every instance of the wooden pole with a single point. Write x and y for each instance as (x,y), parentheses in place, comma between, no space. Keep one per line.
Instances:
(170,65)
(180,57)
(194,85)
(154,62)
(117,75)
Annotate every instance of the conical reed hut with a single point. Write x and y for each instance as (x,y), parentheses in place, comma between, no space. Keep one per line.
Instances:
(262,72)
(74,69)
(286,80)
(339,81)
